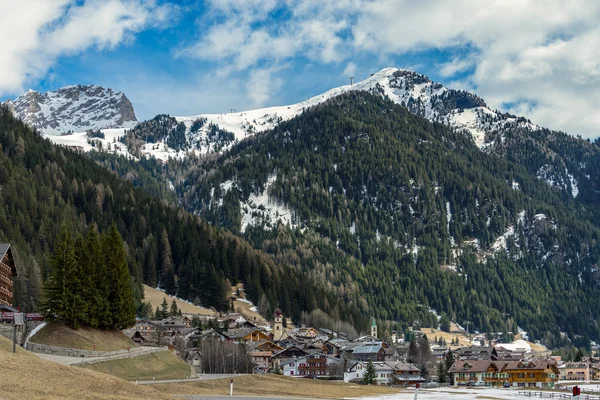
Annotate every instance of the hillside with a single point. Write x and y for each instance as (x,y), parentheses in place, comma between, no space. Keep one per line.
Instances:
(163,365)
(45,187)
(85,338)
(155,297)
(26,376)
(278,386)
(408,215)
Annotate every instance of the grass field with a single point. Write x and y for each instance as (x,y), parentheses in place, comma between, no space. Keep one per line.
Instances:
(276,385)
(163,365)
(26,376)
(58,334)
(155,297)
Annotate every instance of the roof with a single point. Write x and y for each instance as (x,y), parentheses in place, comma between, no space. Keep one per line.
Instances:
(378,365)
(540,363)
(368,349)
(5,250)
(400,366)
(473,366)
(412,378)
(240,333)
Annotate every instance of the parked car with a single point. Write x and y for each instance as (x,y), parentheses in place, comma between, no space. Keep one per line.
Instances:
(480,384)
(506,384)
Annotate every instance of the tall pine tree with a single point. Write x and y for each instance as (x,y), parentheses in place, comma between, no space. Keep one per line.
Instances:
(120,298)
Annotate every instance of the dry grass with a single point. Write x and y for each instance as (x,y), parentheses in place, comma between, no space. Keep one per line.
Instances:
(277,386)
(455,332)
(244,308)
(163,365)
(58,334)
(155,297)
(25,376)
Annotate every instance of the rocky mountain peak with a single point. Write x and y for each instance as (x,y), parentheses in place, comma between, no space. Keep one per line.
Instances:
(74,108)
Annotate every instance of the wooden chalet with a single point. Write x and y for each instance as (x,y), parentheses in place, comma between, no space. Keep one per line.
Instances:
(8,271)
(540,373)
(246,335)
(479,372)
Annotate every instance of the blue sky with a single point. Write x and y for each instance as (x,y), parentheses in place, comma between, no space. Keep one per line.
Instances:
(535,58)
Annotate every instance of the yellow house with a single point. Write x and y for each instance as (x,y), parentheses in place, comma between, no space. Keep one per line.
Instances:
(575,371)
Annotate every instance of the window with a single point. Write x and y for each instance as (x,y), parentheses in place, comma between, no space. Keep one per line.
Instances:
(532,375)
(291,372)
(291,364)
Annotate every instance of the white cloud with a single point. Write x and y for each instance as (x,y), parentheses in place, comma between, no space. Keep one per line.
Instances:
(541,54)
(34,33)
(350,70)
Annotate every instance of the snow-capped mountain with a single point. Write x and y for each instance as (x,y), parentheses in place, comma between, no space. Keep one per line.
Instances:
(78,108)
(417,92)
(75,109)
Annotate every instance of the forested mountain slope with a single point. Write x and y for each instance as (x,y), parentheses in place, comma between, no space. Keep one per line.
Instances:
(410,215)
(43,187)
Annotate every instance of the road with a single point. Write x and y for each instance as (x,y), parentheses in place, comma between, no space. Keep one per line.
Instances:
(134,352)
(244,398)
(203,377)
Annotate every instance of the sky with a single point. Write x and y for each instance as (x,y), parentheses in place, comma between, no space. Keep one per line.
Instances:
(536,58)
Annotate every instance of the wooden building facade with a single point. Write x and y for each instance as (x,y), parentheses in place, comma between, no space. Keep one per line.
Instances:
(8,271)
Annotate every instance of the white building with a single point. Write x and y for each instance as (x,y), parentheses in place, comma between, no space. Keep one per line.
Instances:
(383,372)
(315,365)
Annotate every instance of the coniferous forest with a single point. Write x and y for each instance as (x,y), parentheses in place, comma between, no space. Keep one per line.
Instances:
(400,216)
(89,282)
(45,187)
(391,215)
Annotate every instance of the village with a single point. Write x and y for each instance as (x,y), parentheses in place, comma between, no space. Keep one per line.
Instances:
(238,343)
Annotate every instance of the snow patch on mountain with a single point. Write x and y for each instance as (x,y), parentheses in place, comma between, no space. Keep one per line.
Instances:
(262,208)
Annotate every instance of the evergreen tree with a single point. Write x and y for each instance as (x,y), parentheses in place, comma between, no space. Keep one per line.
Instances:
(441,372)
(173,311)
(120,297)
(157,314)
(370,374)
(445,322)
(164,309)
(448,362)
(413,351)
(56,302)
(167,275)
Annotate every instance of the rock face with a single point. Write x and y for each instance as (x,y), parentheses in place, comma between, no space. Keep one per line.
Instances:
(74,108)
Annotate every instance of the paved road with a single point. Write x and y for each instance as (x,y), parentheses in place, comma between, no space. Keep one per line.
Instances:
(244,398)
(60,359)
(203,377)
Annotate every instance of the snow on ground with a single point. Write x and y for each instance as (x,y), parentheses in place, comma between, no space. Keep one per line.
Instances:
(461,393)
(79,141)
(468,119)
(262,208)
(574,188)
(500,242)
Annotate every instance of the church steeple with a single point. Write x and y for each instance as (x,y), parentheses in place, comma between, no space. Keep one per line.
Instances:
(374,328)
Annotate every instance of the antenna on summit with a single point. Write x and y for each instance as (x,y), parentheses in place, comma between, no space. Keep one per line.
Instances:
(351,80)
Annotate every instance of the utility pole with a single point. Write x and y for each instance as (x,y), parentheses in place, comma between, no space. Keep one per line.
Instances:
(351,80)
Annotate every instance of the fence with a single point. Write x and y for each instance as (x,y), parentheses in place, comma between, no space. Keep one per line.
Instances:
(554,395)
